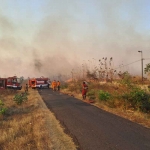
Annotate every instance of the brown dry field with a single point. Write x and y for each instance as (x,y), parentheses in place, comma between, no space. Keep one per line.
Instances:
(31,126)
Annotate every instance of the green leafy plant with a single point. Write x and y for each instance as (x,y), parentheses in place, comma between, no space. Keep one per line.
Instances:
(2,108)
(147,68)
(104,95)
(138,99)
(20,98)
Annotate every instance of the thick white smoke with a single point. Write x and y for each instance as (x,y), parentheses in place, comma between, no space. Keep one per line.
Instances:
(62,35)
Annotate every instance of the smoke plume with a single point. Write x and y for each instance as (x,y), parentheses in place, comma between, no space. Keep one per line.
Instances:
(51,38)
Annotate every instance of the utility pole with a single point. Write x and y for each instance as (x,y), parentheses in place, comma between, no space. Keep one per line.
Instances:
(83,70)
(99,74)
(141,63)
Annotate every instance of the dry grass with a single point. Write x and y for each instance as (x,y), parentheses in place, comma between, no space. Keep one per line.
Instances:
(31,126)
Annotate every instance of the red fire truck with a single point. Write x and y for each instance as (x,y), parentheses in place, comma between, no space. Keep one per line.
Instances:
(14,83)
(39,82)
(10,82)
(3,83)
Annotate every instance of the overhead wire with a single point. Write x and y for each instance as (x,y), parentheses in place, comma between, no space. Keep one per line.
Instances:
(146,58)
(128,64)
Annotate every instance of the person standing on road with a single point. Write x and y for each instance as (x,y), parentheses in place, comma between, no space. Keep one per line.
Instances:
(48,83)
(84,90)
(54,85)
(58,85)
(26,88)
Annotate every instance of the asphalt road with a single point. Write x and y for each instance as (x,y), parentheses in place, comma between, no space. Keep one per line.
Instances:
(93,128)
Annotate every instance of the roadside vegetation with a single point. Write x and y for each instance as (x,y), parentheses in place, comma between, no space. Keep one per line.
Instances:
(26,123)
(124,97)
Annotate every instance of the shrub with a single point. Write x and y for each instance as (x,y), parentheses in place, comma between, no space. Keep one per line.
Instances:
(91,95)
(94,85)
(75,87)
(127,80)
(64,86)
(103,95)
(91,92)
(20,98)
(138,99)
(2,108)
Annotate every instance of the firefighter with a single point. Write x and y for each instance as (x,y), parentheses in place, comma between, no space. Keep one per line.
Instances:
(26,88)
(54,85)
(49,83)
(84,90)
(58,85)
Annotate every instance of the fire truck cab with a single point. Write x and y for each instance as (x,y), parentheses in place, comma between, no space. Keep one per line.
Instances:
(3,82)
(14,83)
(39,82)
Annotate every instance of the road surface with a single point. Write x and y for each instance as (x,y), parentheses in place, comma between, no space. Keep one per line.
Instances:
(93,128)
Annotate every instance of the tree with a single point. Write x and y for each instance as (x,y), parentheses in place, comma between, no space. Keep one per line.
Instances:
(147,68)
(21,79)
(20,98)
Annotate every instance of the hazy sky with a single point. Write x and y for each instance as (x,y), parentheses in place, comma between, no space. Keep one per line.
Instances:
(51,37)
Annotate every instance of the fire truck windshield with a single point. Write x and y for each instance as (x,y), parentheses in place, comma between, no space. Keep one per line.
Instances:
(1,83)
(16,80)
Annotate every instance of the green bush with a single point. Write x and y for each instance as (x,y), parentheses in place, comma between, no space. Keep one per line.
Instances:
(2,108)
(138,99)
(20,98)
(104,95)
